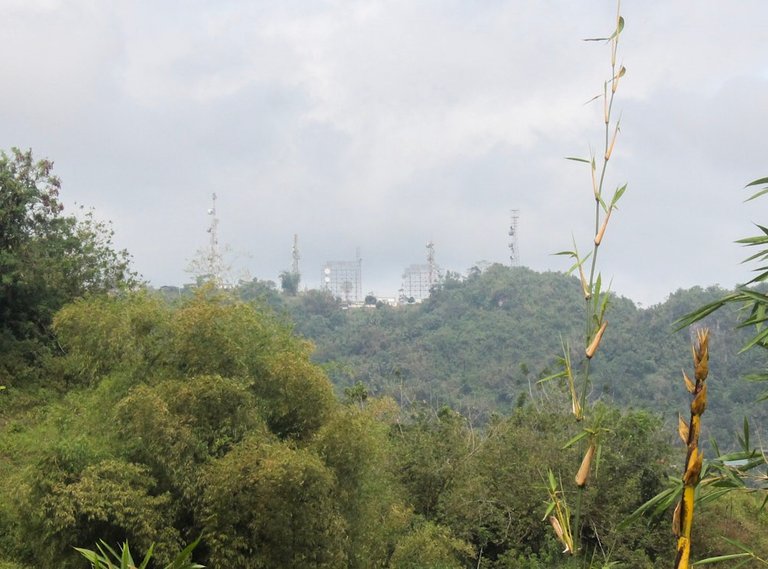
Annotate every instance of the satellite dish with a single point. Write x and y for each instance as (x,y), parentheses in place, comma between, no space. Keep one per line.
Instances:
(210,212)
(327,270)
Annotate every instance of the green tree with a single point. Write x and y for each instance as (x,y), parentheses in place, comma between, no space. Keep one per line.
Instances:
(354,443)
(289,282)
(269,505)
(47,258)
(430,545)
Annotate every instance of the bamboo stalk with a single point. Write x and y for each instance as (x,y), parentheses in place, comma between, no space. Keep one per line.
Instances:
(682,523)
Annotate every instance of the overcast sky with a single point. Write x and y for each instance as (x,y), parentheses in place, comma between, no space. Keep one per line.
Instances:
(385,124)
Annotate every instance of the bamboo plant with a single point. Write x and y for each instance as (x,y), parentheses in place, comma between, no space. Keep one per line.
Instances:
(596,298)
(682,523)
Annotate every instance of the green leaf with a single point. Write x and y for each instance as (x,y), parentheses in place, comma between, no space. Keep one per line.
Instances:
(746,434)
(550,507)
(758,182)
(576,439)
(704,311)
(147,557)
(557,375)
(714,445)
(659,502)
(758,339)
(757,195)
(617,195)
(578,159)
(619,27)
(720,558)
(738,544)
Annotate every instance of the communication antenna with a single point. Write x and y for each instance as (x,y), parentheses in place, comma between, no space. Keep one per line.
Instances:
(214,255)
(514,251)
(359,276)
(431,265)
(296,255)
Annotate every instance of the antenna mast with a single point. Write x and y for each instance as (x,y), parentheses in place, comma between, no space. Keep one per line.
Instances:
(431,265)
(296,255)
(214,255)
(514,251)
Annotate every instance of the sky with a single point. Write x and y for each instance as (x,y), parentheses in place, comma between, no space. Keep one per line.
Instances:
(381,125)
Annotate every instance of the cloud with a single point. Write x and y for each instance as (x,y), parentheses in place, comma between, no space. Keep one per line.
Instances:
(385,124)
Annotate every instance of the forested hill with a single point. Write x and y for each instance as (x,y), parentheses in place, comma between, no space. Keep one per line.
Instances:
(481,343)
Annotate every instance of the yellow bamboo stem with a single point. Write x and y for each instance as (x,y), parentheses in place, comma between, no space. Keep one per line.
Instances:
(683,518)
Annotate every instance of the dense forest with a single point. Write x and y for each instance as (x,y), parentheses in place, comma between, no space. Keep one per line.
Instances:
(481,343)
(211,418)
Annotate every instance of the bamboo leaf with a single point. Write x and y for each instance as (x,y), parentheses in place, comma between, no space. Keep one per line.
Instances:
(746,434)
(704,311)
(576,439)
(714,445)
(762,506)
(619,26)
(738,544)
(757,182)
(665,498)
(757,195)
(720,558)
(617,195)
(758,339)
(557,375)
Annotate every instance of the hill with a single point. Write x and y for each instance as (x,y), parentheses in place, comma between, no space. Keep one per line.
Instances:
(481,343)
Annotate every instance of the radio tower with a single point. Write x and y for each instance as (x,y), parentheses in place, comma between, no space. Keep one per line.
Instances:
(214,255)
(432,266)
(514,251)
(295,253)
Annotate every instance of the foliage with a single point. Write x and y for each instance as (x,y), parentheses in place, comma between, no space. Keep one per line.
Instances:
(752,300)
(156,396)
(110,499)
(480,345)
(734,472)
(105,557)
(208,417)
(46,258)
(272,506)
(289,282)
(354,443)
(430,545)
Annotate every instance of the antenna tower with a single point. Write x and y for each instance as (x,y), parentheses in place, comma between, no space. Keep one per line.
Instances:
(431,265)
(296,256)
(214,255)
(514,251)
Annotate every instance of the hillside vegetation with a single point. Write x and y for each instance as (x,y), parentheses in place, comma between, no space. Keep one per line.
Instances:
(212,418)
(481,343)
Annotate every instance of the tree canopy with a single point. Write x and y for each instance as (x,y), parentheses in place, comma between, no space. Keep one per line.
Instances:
(47,258)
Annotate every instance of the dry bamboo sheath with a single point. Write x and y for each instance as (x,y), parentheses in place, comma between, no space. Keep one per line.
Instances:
(683,518)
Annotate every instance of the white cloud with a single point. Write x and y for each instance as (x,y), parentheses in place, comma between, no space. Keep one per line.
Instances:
(384,124)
